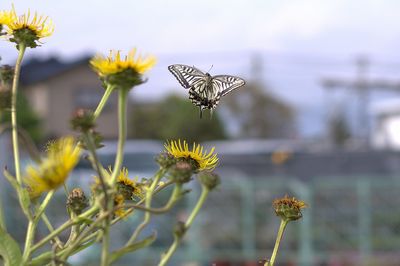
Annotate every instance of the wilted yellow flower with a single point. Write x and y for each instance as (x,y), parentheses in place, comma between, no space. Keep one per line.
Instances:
(62,157)
(122,72)
(27,30)
(202,160)
(289,208)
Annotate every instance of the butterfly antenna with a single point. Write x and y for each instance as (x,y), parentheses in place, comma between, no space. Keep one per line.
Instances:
(210,68)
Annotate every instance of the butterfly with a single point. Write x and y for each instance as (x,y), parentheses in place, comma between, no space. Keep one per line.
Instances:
(205,90)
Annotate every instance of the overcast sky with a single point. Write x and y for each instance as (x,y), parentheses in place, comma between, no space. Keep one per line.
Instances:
(299,40)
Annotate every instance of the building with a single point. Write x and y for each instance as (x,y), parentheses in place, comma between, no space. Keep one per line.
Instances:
(55,89)
(386,131)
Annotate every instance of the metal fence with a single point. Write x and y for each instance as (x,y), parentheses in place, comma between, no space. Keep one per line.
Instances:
(353,220)
(350,221)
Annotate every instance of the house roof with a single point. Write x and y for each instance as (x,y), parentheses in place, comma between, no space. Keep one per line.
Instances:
(36,69)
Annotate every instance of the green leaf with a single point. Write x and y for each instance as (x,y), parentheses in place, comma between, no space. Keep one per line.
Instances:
(11,179)
(9,250)
(135,246)
(23,193)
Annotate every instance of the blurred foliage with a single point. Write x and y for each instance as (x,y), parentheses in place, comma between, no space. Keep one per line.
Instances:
(26,118)
(258,114)
(173,118)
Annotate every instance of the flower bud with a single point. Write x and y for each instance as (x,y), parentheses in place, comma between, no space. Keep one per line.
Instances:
(209,179)
(82,120)
(180,229)
(289,209)
(165,160)
(181,172)
(77,201)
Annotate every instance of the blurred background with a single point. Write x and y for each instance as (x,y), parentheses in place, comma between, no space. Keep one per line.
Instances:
(319,119)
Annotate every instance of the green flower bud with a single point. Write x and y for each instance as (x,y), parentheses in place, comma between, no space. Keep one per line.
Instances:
(165,160)
(181,172)
(180,229)
(209,179)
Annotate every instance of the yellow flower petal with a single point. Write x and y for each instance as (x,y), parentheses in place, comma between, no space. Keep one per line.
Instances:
(205,161)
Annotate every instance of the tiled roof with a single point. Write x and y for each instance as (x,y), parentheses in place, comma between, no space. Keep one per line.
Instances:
(36,70)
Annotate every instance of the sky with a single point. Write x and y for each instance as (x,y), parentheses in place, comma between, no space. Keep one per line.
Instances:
(298,41)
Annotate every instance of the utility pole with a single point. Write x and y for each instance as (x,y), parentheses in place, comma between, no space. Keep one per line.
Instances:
(362,85)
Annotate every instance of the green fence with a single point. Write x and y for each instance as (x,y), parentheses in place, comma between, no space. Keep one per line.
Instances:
(350,221)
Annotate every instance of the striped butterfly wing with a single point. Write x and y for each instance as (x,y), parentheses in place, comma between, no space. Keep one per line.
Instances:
(188,76)
(225,83)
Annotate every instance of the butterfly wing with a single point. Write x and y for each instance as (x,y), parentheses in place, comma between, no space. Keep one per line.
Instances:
(226,84)
(188,76)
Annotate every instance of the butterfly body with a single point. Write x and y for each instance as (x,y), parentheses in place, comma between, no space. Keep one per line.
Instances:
(205,90)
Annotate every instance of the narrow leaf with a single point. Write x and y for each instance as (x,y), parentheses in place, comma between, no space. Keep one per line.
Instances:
(135,246)
(9,250)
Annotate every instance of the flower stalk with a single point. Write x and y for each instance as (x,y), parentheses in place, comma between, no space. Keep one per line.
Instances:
(179,235)
(281,230)
(148,199)
(103,101)
(21,52)
(30,234)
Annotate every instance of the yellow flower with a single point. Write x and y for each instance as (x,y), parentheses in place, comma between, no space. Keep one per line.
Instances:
(122,72)
(289,208)
(119,202)
(27,30)
(128,188)
(62,157)
(202,160)
(6,17)
(114,64)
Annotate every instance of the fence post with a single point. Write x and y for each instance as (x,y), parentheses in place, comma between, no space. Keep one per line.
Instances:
(364,219)
(306,252)
(248,220)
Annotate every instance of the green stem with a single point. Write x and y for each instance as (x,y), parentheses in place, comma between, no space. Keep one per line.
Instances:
(2,220)
(14,112)
(103,101)
(117,219)
(200,202)
(30,233)
(119,158)
(122,108)
(175,196)
(96,164)
(177,238)
(51,229)
(70,249)
(278,241)
(148,199)
(64,226)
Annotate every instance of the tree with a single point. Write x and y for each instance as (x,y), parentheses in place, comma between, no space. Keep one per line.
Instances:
(258,114)
(27,119)
(339,130)
(173,118)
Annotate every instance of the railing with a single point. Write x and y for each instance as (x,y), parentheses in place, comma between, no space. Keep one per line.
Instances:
(351,220)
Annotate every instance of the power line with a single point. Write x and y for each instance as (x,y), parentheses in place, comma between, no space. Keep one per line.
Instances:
(362,86)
